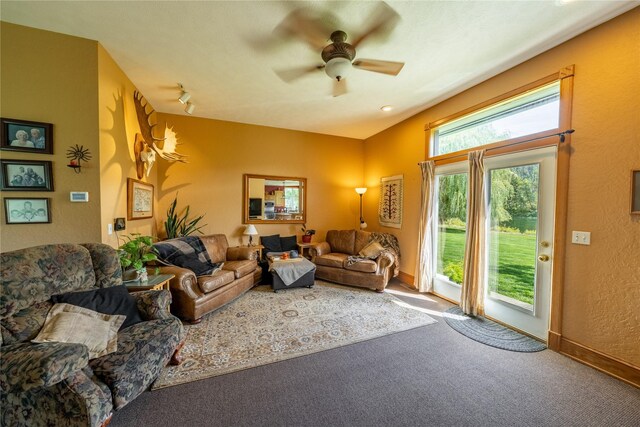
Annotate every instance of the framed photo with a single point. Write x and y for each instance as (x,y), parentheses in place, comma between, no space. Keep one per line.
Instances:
(26,175)
(21,135)
(635,192)
(27,210)
(139,199)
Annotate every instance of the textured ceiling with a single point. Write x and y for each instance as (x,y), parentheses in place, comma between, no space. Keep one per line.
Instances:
(225,53)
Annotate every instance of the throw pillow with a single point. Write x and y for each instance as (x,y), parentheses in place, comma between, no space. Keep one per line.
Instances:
(186,252)
(72,324)
(112,300)
(289,243)
(372,250)
(271,243)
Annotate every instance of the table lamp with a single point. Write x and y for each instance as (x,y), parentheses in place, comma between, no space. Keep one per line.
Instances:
(250,231)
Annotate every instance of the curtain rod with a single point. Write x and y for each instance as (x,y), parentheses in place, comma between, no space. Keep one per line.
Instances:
(562,136)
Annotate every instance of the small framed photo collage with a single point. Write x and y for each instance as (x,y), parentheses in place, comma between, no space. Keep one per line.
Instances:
(26,175)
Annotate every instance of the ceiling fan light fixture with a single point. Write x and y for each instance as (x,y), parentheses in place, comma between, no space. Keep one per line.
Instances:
(185,97)
(338,68)
(189,108)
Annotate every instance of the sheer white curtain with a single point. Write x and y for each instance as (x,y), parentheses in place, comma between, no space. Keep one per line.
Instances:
(472,297)
(423,280)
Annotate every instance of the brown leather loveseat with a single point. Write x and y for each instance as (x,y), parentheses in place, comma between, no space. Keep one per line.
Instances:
(194,296)
(332,260)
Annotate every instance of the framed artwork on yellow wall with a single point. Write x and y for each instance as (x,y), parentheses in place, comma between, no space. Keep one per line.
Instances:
(28,136)
(26,210)
(635,192)
(139,199)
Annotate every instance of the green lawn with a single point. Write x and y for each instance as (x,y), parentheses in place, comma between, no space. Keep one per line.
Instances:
(515,274)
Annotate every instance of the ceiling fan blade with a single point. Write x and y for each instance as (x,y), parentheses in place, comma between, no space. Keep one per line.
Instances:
(378,66)
(292,74)
(312,26)
(339,87)
(381,22)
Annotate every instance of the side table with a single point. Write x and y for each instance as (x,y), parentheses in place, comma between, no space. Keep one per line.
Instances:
(156,282)
(302,247)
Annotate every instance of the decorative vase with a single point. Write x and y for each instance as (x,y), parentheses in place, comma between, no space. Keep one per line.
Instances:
(306,238)
(143,275)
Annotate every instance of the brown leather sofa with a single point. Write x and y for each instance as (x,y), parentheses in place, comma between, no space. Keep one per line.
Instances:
(194,296)
(330,258)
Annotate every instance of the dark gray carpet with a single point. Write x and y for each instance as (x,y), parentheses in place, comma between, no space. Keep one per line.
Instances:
(490,333)
(428,376)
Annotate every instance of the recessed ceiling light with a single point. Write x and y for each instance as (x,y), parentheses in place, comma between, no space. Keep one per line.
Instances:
(386,108)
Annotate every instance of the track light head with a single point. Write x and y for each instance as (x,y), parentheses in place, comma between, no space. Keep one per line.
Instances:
(189,108)
(185,97)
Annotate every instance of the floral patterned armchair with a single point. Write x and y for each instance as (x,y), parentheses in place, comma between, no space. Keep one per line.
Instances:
(55,383)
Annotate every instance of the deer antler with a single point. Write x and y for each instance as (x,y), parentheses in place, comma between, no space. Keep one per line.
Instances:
(168,150)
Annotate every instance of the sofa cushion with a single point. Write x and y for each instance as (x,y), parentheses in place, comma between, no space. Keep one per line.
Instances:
(143,350)
(342,241)
(364,266)
(113,300)
(216,280)
(217,246)
(25,324)
(289,243)
(363,238)
(271,243)
(332,259)
(372,250)
(72,324)
(241,268)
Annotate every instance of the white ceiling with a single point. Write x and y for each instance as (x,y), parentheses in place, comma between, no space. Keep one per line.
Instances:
(224,53)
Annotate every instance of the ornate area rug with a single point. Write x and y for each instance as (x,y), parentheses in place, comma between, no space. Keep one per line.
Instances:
(491,333)
(263,327)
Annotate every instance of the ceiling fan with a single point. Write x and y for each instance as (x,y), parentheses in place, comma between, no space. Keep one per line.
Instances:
(338,56)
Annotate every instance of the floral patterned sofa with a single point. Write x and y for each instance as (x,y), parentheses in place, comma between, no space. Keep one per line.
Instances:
(55,383)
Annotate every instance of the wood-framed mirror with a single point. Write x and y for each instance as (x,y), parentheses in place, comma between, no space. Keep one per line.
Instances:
(269,199)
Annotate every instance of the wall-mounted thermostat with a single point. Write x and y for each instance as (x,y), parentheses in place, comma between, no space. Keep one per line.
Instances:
(79,196)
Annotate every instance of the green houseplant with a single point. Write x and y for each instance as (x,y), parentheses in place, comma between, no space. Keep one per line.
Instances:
(308,232)
(179,225)
(134,254)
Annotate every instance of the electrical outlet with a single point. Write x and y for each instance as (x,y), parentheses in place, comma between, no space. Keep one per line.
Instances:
(581,237)
(119,224)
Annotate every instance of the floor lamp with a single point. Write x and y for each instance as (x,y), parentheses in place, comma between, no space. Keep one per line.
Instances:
(361,191)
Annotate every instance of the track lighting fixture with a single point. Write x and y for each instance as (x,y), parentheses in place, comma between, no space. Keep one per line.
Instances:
(189,108)
(185,97)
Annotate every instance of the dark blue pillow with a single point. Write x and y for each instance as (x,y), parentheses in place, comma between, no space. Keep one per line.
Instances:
(289,243)
(271,243)
(112,300)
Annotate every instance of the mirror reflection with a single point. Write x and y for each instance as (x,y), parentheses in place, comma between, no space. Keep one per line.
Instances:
(270,199)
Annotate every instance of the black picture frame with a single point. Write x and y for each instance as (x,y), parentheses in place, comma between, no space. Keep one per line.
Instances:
(27,210)
(26,175)
(39,136)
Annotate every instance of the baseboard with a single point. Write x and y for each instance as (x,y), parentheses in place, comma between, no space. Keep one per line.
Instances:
(602,362)
(405,278)
(553,340)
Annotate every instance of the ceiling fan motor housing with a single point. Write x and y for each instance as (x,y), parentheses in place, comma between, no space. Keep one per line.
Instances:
(338,56)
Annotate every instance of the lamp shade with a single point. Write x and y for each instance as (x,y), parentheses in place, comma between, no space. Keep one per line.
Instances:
(361,190)
(250,230)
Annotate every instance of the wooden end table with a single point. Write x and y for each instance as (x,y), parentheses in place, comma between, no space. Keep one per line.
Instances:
(302,247)
(156,282)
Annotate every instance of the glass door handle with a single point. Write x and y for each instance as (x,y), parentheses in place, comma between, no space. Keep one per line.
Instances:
(543,258)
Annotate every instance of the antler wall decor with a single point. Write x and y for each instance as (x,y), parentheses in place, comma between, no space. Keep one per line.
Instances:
(145,146)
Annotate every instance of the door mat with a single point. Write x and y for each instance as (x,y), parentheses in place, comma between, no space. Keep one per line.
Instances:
(264,327)
(491,333)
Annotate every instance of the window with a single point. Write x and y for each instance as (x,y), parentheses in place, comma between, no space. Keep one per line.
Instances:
(534,111)
(292,198)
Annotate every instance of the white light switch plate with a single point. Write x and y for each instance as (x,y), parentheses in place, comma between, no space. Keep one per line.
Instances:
(581,237)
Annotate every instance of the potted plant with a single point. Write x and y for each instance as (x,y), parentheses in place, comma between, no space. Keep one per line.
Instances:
(180,225)
(308,233)
(134,254)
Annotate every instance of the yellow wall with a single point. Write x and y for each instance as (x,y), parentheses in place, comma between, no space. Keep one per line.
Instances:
(221,152)
(602,281)
(118,128)
(52,78)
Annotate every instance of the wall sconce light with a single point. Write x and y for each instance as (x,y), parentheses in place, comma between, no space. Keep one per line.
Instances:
(76,155)
(361,191)
(250,231)
(189,108)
